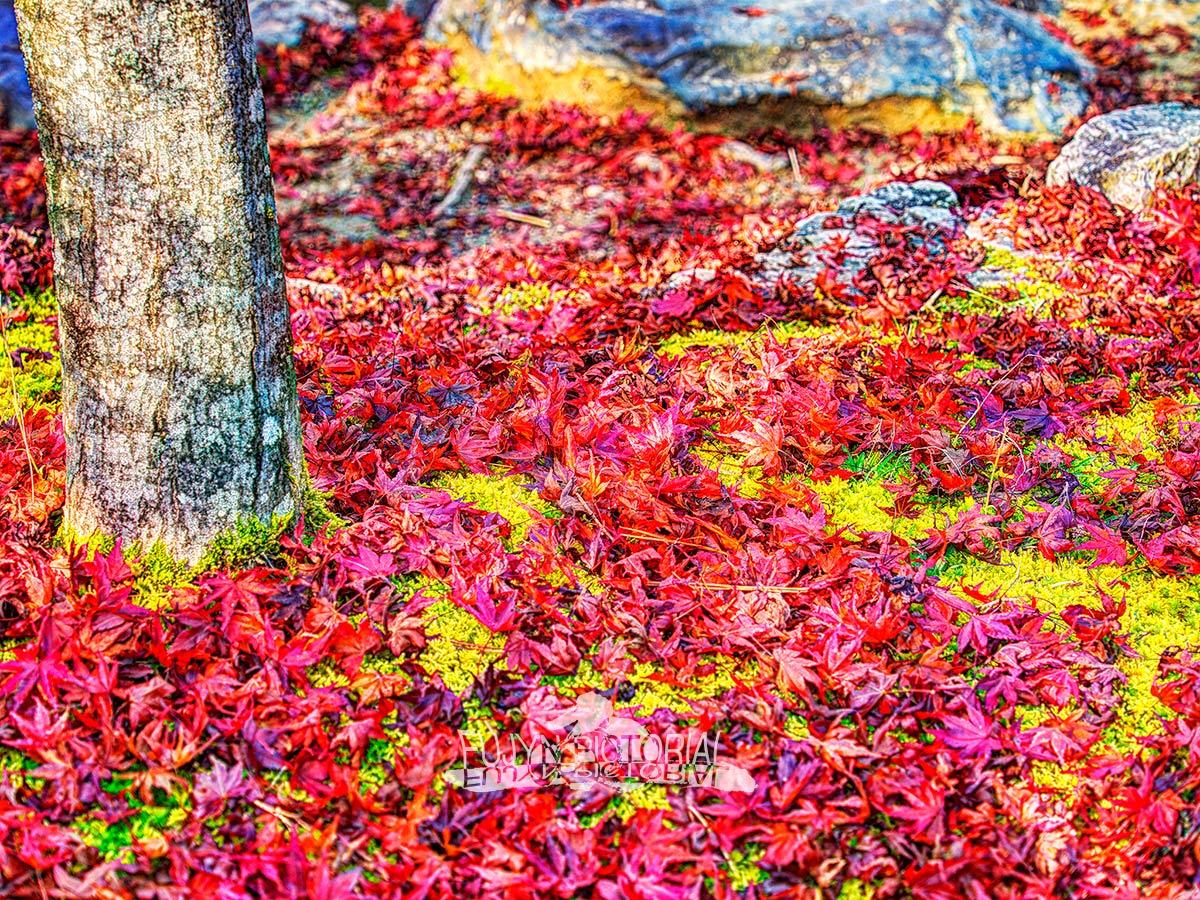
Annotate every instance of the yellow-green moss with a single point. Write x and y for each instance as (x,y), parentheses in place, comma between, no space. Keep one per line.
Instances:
(384,663)
(579,576)
(460,647)
(478,725)
(111,840)
(645,796)
(14,767)
(653,694)
(318,517)
(855,889)
(1055,777)
(523,297)
(742,866)
(796,727)
(1087,467)
(373,774)
(1162,611)
(36,380)
(156,573)
(251,542)
(585,676)
(976,363)
(732,469)
(1036,292)
(280,782)
(679,344)
(327,674)
(1137,431)
(8,647)
(859,504)
(148,822)
(505,495)
(1003,258)
(878,466)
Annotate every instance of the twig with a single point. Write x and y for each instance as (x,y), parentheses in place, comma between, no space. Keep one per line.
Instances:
(19,409)
(513,216)
(795,161)
(287,818)
(462,180)
(760,161)
(754,588)
(318,288)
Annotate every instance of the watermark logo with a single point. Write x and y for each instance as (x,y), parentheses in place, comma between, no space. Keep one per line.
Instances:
(592,744)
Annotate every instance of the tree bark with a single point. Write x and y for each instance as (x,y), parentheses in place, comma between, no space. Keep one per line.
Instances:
(179,392)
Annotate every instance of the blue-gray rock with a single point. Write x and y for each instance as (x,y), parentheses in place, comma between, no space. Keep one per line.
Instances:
(15,107)
(927,210)
(1128,153)
(417,9)
(284,21)
(711,53)
(275,22)
(1044,7)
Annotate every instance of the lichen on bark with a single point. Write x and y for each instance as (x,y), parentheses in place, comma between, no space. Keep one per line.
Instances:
(179,392)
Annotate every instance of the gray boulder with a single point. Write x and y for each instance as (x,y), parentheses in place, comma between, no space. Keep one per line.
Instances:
(1128,153)
(15,108)
(711,53)
(284,21)
(842,243)
(926,211)
(1044,7)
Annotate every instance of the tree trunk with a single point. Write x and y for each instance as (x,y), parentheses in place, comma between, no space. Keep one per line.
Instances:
(179,392)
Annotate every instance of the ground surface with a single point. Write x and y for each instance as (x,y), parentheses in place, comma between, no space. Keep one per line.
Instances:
(922,550)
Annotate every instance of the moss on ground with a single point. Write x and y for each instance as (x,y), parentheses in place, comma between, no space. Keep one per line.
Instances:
(157,574)
(1162,611)
(1036,292)
(626,804)
(655,689)
(251,542)
(732,469)
(460,647)
(860,504)
(796,727)
(15,768)
(147,823)
(508,496)
(318,517)
(31,373)
(856,889)
(8,648)
(742,866)
(526,296)
(1143,431)
(680,344)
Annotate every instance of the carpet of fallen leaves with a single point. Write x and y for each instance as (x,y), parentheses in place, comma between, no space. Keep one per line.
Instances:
(923,550)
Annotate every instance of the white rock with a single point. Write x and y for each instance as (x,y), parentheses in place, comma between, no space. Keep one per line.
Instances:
(1128,153)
